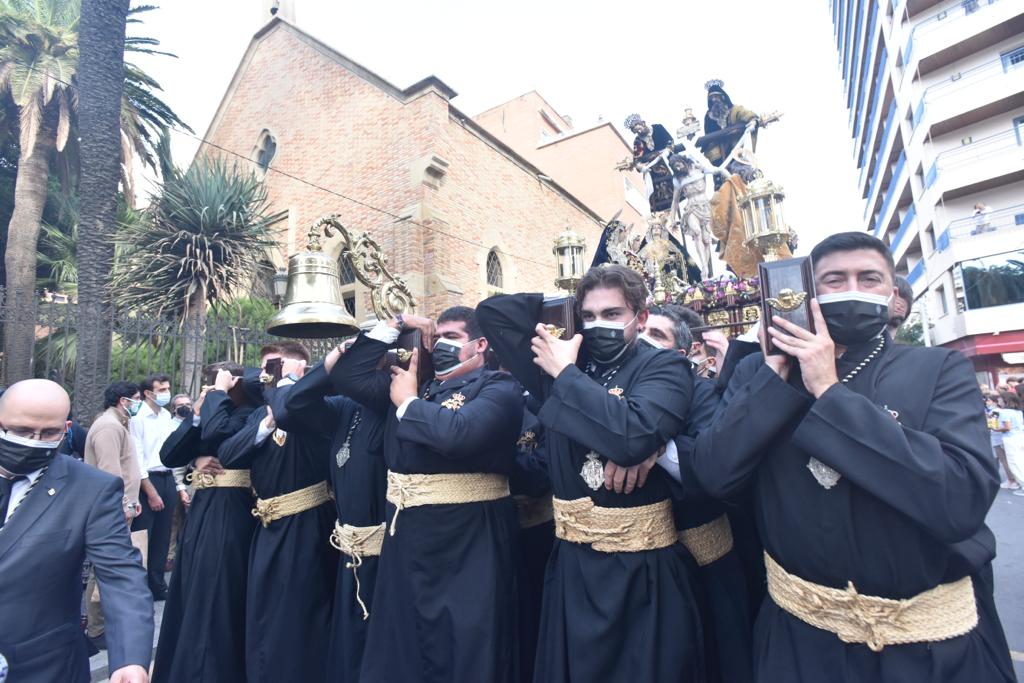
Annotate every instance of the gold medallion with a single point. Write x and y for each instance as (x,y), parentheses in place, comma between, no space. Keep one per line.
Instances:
(528,441)
(455,402)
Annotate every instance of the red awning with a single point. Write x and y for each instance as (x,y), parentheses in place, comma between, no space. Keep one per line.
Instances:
(988,344)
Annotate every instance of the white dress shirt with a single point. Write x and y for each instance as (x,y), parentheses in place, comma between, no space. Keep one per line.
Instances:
(149,431)
(669,461)
(20,489)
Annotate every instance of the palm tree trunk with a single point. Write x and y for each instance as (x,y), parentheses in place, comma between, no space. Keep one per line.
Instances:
(20,259)
(192,348)
(100,87)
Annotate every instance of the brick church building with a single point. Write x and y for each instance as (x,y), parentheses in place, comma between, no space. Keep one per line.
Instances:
(460,212)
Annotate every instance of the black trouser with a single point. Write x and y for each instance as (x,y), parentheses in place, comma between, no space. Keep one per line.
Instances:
(159,527)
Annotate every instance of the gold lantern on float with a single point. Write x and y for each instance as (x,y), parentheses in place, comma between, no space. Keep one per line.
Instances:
(313,308)
(568,250)
(763,218)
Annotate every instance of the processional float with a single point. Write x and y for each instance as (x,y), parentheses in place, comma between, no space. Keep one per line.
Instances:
(744,216)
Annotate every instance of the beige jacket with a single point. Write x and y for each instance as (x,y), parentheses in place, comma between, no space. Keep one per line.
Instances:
(109,447)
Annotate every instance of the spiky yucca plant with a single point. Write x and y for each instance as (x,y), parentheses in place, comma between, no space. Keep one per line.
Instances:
(203,239)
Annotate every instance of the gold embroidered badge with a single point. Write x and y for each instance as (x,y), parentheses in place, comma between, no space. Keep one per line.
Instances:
(279,436)
(455,402)
(617,392)
(527,441)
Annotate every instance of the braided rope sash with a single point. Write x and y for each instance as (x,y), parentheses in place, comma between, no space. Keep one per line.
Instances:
(226,479)
(358,542)
(292,503)
(615,530)
(708,542)
(413,490)
(534,511)
(941,613)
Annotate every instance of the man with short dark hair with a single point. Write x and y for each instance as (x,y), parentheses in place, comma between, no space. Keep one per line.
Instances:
(291,565)
(160,492)
(619,601)
(109,447)
(902,302)
(446,598)
(202,635)
(55,513)
(873,477)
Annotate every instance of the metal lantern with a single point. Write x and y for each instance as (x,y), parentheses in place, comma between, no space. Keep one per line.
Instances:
(763,217)
(280,286)
(569,249)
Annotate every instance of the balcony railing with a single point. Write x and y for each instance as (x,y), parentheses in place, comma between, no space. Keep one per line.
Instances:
(979,149)
(941,19)
(880,166)
(1001,221)
(955,85)
(890,193)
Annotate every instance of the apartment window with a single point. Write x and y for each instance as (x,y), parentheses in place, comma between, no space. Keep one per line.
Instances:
(1013,58)
(993,280)
(1018,219)
(970,6)
(940,300)
(1018,129)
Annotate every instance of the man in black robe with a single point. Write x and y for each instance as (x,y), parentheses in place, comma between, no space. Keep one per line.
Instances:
(619,599)
(444,608)
(650,143)
(202,635)
(873,477)
(704,523)
(359,482)
(531,489)
(292,568)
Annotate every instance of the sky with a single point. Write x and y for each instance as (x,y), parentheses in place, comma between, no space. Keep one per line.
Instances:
(591,60)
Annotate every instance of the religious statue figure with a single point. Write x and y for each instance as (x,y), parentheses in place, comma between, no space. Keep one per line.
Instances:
(724,124)
(651,147)
(695,218)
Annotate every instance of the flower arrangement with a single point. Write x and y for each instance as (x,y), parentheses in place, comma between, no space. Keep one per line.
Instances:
(726,291)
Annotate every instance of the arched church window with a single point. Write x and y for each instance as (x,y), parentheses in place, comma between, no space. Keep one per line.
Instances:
(495,277)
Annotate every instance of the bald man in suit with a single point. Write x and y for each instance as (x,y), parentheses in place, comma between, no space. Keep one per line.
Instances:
(54,513)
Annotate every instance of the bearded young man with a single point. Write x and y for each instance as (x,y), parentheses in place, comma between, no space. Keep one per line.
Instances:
(619,601)
(873,476)
(444,609)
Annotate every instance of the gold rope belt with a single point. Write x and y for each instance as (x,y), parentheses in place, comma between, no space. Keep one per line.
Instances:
(533,511)
(708,542)
(943,612)
(358,542)
(615,530)
(291,503)
(413,490)
(226,479)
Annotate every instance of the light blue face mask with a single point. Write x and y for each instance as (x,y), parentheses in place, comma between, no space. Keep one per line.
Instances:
(162,399)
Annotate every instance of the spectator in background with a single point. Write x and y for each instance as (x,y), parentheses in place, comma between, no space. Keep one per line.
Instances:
(1011,424)
(150,428)
(901,304)
(109,447)
(981,222)
(996,436)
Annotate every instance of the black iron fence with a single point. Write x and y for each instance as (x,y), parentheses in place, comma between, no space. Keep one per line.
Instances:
(139,346)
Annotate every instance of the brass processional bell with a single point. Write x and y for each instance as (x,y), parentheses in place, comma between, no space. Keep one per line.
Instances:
(313,307)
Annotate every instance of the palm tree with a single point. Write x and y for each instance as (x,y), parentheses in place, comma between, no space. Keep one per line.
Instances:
(204,240)
(39,55)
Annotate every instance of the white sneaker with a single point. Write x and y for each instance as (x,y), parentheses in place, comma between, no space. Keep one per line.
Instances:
(1010,485)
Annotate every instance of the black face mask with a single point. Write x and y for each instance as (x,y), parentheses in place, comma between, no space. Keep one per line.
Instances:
(854,317)
(183,412)
(605,341)
(23,456)
(445,356)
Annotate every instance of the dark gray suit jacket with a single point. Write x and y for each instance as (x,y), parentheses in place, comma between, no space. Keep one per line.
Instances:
(72,513)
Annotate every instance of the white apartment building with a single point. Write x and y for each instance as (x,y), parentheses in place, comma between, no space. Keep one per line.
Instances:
(935,93)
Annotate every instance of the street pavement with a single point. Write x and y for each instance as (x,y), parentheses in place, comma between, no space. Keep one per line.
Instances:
(1006,519)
